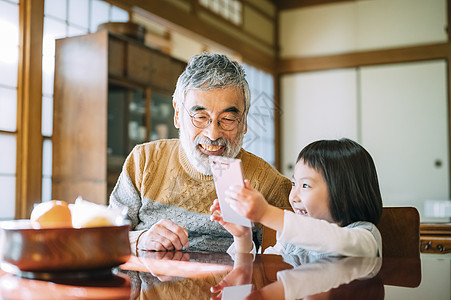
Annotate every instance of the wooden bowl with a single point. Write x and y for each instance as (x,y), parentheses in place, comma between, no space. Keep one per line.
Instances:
(63,249)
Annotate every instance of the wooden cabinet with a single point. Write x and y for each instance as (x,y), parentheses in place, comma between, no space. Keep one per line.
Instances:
(111,93)
(139,64)
(435,238)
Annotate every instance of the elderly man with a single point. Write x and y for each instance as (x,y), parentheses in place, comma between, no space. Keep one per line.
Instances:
(167,185)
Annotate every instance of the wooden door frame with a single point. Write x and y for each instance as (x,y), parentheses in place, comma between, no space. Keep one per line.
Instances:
(29,107)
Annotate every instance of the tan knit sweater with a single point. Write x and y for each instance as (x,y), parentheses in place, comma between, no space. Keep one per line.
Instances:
(158,182)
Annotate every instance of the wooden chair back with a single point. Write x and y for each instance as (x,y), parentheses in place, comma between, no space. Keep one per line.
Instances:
(399,228)
(268,239)
(400,231)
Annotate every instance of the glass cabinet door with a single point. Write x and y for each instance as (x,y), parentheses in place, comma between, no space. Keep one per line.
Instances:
(127,119)
(135,116)
(138,123)
(128,125)
(162,117)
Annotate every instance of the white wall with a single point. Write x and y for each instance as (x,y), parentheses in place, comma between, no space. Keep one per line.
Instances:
(361,25)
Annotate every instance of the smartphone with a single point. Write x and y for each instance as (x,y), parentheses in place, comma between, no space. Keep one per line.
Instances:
(226,172)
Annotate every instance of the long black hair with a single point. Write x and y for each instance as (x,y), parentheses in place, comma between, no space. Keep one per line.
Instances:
(351,177)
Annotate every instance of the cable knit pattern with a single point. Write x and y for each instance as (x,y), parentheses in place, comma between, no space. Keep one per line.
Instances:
(157,182)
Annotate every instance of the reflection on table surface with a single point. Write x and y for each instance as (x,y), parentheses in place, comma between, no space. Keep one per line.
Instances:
(183,275)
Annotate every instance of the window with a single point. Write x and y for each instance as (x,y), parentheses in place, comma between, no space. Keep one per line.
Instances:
(260,136)
(9,55)
(228,9)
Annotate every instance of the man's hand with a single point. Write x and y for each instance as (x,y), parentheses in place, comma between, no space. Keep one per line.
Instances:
(234,229)
(242,235)
(165,235)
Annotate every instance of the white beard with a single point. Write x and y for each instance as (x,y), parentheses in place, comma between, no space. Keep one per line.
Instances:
(199,160)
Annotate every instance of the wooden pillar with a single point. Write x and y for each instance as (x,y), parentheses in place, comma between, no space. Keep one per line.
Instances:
(29,107)
(448,61)
(277,98)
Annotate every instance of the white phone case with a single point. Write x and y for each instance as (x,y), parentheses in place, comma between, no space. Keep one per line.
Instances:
(227,172)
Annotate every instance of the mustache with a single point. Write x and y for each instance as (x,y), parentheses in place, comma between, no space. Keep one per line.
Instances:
(207,141)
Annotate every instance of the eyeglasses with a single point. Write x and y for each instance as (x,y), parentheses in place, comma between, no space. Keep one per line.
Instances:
(227,121)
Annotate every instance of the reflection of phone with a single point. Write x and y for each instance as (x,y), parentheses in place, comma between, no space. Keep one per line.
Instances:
(227,172)
(236,292)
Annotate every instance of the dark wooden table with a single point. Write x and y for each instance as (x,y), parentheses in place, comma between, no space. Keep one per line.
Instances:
(181,275)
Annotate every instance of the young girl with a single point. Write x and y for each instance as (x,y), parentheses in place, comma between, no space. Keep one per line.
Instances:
(336,202)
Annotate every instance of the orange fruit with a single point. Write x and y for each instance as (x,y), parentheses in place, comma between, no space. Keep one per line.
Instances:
(51,214)
(97,222)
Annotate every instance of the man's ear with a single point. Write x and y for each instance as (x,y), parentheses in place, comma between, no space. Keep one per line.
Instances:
(245,123)
(176,114)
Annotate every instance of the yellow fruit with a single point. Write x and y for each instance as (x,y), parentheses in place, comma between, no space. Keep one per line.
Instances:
(52,214)
(97,222)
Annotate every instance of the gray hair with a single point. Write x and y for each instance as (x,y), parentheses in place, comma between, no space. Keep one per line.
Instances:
(209,71)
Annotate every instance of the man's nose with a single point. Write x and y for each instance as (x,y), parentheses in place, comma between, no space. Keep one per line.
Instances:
(213,132)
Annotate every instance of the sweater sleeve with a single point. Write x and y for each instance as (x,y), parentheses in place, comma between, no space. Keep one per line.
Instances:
(322,236)
(126,192)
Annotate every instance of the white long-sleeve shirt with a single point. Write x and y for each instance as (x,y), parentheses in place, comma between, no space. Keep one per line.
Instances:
(306,233)
(325,274)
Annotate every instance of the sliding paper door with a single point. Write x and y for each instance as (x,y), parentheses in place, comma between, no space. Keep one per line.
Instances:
(404,114)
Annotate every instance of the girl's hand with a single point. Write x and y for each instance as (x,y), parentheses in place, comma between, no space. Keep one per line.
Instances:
(234,229)
(247,201)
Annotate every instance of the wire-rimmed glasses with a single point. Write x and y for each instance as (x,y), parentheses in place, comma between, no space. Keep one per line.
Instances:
(226,121)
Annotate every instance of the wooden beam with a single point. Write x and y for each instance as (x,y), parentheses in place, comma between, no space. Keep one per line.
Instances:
(29,102)
(261,11)
(292,4)
(366,58)
(448,11)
